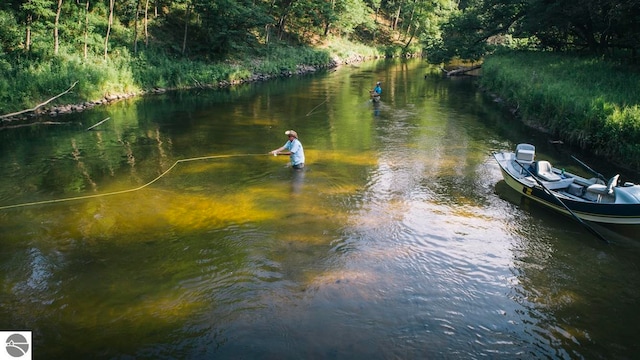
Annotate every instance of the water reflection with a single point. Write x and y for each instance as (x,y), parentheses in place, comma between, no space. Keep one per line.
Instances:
(297,180)
(398,240)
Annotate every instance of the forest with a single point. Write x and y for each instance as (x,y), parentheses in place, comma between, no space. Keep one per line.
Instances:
(214,30)
(129,46)
(475,28)
(120,46)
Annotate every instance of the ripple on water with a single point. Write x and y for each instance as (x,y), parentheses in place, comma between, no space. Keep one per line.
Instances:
(452,273)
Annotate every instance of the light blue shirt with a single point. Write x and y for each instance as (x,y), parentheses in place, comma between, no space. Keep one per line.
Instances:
(297,152)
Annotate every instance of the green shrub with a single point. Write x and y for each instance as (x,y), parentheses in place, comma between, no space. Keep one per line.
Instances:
(586,101)
(27,82)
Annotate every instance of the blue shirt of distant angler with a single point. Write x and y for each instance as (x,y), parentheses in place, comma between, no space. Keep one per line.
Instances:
(297,152)
(378,89)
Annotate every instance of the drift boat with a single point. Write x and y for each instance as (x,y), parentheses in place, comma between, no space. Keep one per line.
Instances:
(589,199)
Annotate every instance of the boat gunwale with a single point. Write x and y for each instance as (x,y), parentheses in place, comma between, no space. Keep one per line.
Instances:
(609,213)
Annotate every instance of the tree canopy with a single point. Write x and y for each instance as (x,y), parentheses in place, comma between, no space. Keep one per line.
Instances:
(48,31)
(203,29)
(477,27)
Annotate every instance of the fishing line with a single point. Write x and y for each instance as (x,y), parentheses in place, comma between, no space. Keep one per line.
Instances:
(317,106)
(127,190)
(139,187)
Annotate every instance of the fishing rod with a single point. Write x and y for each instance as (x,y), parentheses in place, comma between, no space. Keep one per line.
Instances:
(600,176)
(127,190)
(84,197)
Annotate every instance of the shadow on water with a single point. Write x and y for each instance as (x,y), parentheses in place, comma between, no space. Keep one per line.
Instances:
(398,240)
(619,234)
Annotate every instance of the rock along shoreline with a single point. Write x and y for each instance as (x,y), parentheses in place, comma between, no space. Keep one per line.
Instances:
(38,115)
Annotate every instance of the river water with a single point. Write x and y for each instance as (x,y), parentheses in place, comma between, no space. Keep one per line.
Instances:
(398,241)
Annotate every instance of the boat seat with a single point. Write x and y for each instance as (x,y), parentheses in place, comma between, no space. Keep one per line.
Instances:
(525,153)
(545,171)
(604,189)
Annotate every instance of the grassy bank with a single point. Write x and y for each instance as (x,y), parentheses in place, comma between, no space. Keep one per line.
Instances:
(585,101)
(25,83)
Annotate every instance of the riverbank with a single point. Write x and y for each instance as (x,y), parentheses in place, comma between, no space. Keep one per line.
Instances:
(123,77)
(64,109)
(584,101)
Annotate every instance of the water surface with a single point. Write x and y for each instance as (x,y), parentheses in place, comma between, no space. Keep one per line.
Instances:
(398,240)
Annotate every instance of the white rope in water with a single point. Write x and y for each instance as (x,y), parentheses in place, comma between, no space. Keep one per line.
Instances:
(124,191)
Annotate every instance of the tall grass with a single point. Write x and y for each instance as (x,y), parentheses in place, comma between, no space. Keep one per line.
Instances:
(25,83)
(286,58)
(586,101)
(345,49)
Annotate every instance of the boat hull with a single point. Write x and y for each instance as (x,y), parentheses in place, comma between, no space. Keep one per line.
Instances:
(608,213)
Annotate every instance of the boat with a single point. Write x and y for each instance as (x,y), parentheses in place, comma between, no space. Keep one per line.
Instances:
(590,199)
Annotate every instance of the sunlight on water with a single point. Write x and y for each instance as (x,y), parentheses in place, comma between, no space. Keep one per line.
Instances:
(398,240)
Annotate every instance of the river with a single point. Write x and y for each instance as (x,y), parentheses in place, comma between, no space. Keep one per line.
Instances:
(399,240)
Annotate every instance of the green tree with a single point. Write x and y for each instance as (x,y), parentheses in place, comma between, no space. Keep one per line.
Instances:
(32,11)
(9,34)
(351,14)
(109,25)
(56,40)
(597,26)
(229,26)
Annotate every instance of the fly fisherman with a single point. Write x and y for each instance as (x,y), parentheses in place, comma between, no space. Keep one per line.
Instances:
(295,150)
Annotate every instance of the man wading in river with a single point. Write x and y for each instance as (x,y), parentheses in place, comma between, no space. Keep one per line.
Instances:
(295,150)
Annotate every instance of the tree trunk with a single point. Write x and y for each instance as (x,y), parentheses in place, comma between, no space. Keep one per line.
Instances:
(56,41)
(5,116)
(462,70)
(413,34)
(281,23)
(112,4)
(186,28)
(266,33)
(135,28)
(410,22)
(146,23)
(327,25)
(86,29)
(27,42)
(376,22)
(283,18)
(396,18)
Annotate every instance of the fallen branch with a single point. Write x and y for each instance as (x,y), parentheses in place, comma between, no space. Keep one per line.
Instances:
(198,84)
(98,123)
(2,117)
(462,71)
(33,124)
